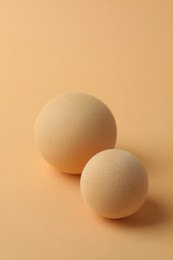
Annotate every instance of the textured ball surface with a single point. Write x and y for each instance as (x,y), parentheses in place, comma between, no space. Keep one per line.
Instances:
(73,127)
(114,183)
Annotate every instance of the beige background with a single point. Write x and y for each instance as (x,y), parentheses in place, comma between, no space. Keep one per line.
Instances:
(121,52)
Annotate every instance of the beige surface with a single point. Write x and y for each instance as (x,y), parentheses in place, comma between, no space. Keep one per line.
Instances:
(121,52)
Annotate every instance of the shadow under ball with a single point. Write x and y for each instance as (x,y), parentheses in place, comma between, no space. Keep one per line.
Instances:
(73,127)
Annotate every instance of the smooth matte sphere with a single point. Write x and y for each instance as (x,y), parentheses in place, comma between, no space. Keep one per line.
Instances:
(73,127)
(114,183)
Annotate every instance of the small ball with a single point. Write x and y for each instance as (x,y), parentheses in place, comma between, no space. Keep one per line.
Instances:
(114,183)
(71,128)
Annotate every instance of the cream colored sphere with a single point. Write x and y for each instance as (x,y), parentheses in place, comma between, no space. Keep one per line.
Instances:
(73,127)
(114,183)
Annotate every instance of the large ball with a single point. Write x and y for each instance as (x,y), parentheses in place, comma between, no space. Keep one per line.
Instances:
(73,127)
(114,183)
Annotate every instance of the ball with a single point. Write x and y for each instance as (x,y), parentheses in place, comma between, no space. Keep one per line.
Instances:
(73,127)
(114,183)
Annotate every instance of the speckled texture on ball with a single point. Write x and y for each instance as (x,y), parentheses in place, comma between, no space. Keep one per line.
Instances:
(114,183)
(71,128)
